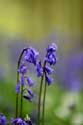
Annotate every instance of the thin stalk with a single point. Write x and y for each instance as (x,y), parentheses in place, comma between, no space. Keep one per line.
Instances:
(44,98)
(17,97)
(18,65)
(39,100)
(21,105)
(40,93)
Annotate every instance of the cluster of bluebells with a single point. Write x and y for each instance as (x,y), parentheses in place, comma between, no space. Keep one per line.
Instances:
(25,81)
(20,121)
(3,119)
(30,57)
(17,121)
(50,59)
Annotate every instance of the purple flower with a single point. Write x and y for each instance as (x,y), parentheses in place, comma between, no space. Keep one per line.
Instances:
(22,69)
(30,81)
(3,119)
(30,93)
(51,58)
(29,96)
(19,121)
(29,122)
(48,70)
(22,81)
(17,88)
(39,69)
(51,54)
(52,48)
(31,55)
(49,80)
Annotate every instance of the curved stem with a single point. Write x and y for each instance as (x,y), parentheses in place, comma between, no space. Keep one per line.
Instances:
(44,98)
(40,93)
(19,61)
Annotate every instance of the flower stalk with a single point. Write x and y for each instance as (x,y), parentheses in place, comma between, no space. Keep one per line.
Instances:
(17,94)
(40,94)
(50,58)
(44,98)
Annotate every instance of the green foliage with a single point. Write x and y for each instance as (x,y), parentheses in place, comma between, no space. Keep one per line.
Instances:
(62,107)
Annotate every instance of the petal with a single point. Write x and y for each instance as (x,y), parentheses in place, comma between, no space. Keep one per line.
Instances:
(27,97)
(17,88)
(30,81)
(49,80)
(22,81)
(49,70)
(30,93)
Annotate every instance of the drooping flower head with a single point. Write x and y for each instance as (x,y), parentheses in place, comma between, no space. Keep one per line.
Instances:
(52,48)
(18,88)
(30,82)
(49,80)
(31,55)
(29,95)
(50,58)
(19,121)
(48,70)
(51,54)
(22,69)
(39,69)
(3,119)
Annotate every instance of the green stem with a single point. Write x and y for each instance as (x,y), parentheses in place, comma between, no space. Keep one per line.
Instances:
(21,105)
(18,65)
(39,100)
(17,93)
(40,93)
(44,98)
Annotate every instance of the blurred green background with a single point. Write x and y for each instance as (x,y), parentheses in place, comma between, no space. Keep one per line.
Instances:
(38,23)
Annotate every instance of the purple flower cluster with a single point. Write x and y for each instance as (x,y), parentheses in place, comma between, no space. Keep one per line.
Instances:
(30,57)
(50,59)
(3,119)
(20,121)
(17,121)
(51,54)
(25,82)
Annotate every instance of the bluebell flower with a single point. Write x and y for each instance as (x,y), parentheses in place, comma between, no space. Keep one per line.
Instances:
(28,97)
(52,48)
(3,119)
(51,58)
(18,88)
(22,69)
(49,70)
(19,121)
(51,54)
(49,80)
(28,120)
(31,55)
(30,93)
(39,69)
(30,81)
(22,80)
